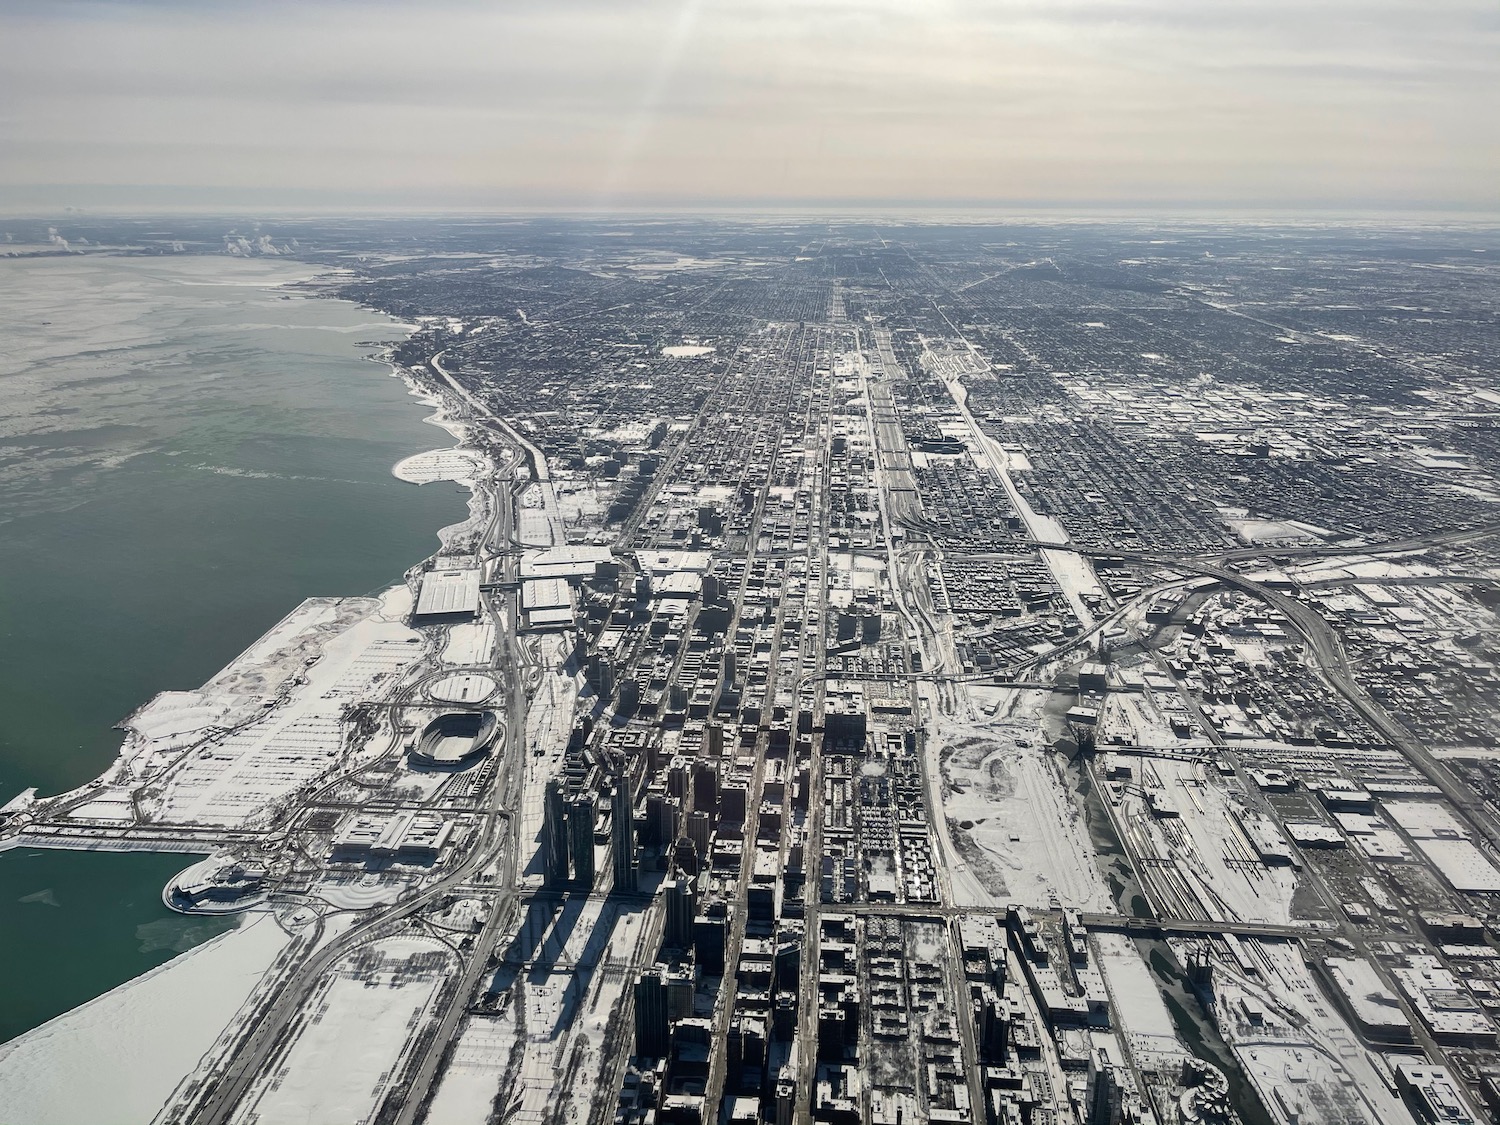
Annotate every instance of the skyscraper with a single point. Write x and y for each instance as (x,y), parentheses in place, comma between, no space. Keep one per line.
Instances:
(555,835)
(581,838)
(681,905)
(651,1025)
(622,837)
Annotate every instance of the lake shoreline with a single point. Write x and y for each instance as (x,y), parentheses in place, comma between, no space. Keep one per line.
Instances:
(330,338)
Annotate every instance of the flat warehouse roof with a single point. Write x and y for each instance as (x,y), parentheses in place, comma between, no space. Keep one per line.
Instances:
(1463,865)
(448,592)
(545,593)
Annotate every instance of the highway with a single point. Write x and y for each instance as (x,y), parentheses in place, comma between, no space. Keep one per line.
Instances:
(268,1035)
(500,542)
(423,1070)
(251,1055)
(1328,653)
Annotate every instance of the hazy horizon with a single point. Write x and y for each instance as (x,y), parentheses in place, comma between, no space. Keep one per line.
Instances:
(1095,105)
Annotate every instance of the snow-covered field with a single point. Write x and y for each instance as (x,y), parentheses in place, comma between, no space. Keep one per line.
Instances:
(343,1059)
(469,644)
(1142,1015)
(1013,817)
(469,1086)
(1074,574)
(544,1044)
(459,465)
(463,687)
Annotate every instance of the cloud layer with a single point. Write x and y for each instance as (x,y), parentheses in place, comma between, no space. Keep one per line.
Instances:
(586,103)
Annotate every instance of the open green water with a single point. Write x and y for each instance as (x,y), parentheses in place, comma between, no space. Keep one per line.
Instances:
(185,454)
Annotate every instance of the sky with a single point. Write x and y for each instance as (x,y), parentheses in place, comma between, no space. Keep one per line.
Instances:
(619,104)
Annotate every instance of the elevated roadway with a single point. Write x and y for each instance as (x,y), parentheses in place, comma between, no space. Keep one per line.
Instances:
(1120,923)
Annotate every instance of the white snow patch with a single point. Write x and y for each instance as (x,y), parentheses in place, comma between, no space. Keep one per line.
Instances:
(1138,1005)
(339,1067)
(461,466)
(1026,841)
(469,644)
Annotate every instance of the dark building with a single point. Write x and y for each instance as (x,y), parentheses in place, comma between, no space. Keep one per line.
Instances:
(708,943)
(622,838)
(581,838)
(555,835)
(681,907)
(1104,1093)
(705,786)
(651,1025)
(733,798)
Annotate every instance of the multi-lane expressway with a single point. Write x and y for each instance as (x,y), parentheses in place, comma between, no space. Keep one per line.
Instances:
(497,843)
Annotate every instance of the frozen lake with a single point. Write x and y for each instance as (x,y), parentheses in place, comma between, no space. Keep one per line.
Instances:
(186,452)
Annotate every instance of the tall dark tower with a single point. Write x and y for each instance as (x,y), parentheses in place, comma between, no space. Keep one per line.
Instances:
(555,835)
(622,836)
(581,839)
(681,907)
(652,1026)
